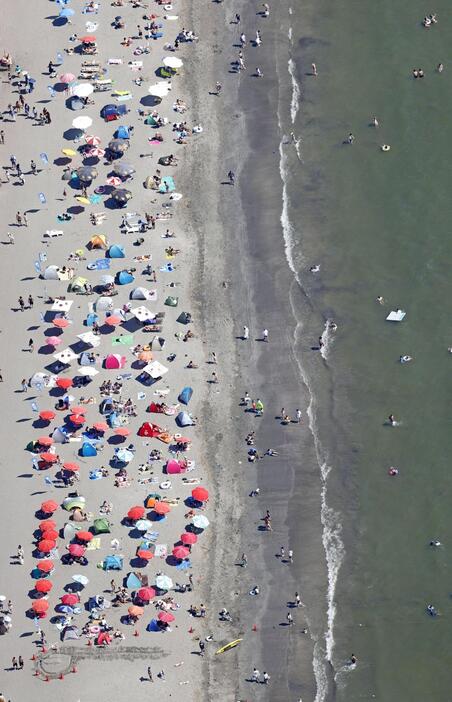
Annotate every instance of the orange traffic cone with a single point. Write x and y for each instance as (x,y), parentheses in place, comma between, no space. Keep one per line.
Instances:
(136,632)
(47,679)
(36,673)
(74,669)
(33,658)
(191,630)
(61,676)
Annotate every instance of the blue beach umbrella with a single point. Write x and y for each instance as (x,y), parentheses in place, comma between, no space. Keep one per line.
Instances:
(66,12)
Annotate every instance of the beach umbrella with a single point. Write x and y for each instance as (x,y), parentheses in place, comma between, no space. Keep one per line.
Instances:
(53,341)
(48,457)
(88,39)
(45,441)
(166,617)
(118,146)
(136,512)
(162,508)
(200,521)
(47,524)
(122,431)
(76,550)
(61,322)
(70,599)
(45,566)
(135,611)
(188,537)
(78,409)
(71,467)
(84,536)
(124,455)
(173,62)
(49,535)
(83,90)
(47,415)
(100,426)
(46,545)
(70,153)
(145,555)
(122,195)
(145,594)
(81,579)
(43,586)
(92,140)
(70,503)
(82,122)
(123,169)
(96,151)
(145,356)
(143,525)
(67,78)
(163,582)
(159,89)
(77,419)
(86,173)
(40,606)
(200,494)
(112,320)
(181,552)
(113,180)
(66,13)
(64,383)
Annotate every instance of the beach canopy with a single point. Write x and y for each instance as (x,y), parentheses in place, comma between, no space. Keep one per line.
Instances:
(133,581)
(114,361)
(83,90)
(45,566)
(76,550)
(185,395)
(141,293)
(82,122)
(40,606)
(162,508)
(43,586)
(174,467)
(200,521)
(159,89)
(116,251)
(166,617)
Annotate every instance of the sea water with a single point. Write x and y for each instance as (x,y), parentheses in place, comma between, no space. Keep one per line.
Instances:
(378,224)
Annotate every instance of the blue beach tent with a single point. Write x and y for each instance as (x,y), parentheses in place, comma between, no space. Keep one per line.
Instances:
(185,395)
(116,251)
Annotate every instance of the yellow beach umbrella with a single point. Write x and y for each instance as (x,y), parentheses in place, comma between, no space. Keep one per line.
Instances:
(69,152)
(83,200)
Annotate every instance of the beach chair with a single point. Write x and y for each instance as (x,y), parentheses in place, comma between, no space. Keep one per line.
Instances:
(52,233)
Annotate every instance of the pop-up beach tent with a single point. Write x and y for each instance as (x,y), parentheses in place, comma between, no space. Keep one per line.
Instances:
(185,395)
(114,361)
(116,251)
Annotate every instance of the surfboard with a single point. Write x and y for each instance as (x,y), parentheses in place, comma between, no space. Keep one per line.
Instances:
(228,646)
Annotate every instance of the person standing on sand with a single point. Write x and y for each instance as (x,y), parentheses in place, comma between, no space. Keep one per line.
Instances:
(151,679)
(18,219)
(11,238)
(31,345)
(265,335)
(24,385)
(21,663)
(24,218)
(21,303)
(314,69)
(246,333)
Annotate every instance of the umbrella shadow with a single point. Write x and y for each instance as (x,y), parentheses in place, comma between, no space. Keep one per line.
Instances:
(46,350)
(71,134)
(61,161)
(150,101)
(59,21)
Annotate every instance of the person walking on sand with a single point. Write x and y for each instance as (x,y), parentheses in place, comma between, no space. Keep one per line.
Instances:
(151,679)
(20,556)
(24,218)
(2,136)
(290,556)
(265,678)
(11,239)
(215,378)
(255,676)
(213,358)
(14,663)
(246,333)
(298,602)
(31,345)
(231,177)
(21,303)
(202,646)
(218,88)
(289,619)
(244,560)
(31,302)
(18,219)
(314,69)
(24,385)
(265,335)
(21,663)
(298,415)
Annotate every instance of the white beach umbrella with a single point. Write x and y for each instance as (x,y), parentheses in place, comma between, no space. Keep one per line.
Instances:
(82,579)
(82,122)
(83,90)
(173,62)
(163,582)
(89,371)
(200,521)
(143,525)
(159,89)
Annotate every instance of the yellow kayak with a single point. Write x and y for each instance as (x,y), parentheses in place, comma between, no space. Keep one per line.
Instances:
(121,92)
(228,646)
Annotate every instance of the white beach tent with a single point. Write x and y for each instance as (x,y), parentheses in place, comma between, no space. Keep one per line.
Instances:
(143,294)
(103,304)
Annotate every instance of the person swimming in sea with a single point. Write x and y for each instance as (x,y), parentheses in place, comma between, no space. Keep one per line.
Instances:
(435,543)
(392,420)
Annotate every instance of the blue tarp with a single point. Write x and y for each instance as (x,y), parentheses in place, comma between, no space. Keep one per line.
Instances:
(99,265)
(185,395)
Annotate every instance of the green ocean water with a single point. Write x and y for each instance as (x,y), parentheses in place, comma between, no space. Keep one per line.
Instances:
(380,224)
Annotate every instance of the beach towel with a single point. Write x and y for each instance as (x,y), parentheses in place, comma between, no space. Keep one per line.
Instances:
(161,550)
(126,340)
(94,544)
(167,185)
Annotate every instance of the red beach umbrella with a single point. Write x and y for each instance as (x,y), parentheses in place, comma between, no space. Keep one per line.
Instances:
(45,441)
(64,383)
(122,431)
(49,507)
(46,545)
(100,426)
(136,512)
(145,554)
(200,494)
(135,611)
(181,552)
(89,39)
(61,323)
(45,566)
(50,535)
(40,606)
(166,617)
(67,78)
(77,419)
(78,410)
(84,535)
(47,415)
(43,586)
(71,467)
(162,508)
(47,524)
(188,538)
(146,594)
(53,341)
(76,550)
(113,321)
(70,599)
(48,457)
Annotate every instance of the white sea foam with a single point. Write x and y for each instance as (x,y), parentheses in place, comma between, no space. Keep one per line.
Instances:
(296,92)
(330,519)
(289,34)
